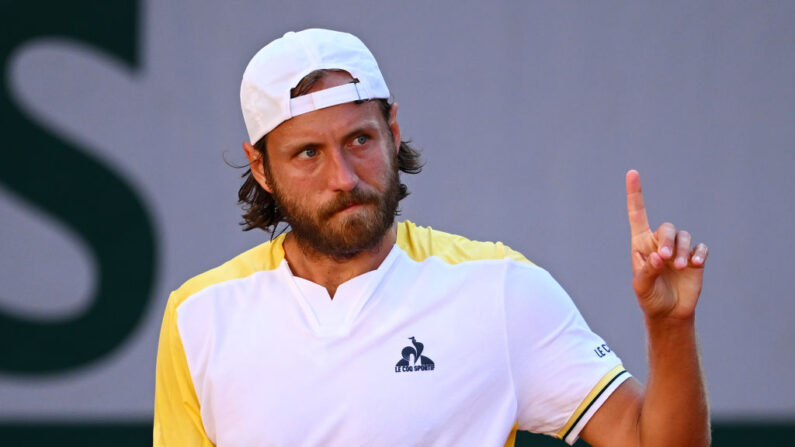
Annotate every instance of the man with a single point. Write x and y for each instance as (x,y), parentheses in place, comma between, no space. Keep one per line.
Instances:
(351,329)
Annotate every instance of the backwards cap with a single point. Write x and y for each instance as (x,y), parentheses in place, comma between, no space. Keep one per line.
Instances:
(280,66)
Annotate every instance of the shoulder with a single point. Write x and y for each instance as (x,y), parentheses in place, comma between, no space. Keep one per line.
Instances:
(266,256)
(420,243)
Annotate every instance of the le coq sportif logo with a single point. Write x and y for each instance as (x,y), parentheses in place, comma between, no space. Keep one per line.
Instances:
(411,356)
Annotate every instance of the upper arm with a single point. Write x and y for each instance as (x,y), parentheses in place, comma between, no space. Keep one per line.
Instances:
(177,419)
(615,423)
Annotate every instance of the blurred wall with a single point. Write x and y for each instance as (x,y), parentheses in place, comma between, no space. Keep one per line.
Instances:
(120,120)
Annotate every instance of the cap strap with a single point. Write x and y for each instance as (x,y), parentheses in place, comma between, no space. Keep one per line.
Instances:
(327,98)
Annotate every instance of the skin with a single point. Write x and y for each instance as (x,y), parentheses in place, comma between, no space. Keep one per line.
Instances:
(316,155)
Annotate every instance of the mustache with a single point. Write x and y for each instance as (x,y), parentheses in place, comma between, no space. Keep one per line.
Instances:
(356,196)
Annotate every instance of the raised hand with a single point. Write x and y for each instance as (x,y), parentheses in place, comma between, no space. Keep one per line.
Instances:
(667,271)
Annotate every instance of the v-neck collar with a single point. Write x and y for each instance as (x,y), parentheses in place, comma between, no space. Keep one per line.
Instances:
(335,318)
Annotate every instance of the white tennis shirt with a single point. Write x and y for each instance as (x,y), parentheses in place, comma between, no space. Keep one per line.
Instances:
(449,342)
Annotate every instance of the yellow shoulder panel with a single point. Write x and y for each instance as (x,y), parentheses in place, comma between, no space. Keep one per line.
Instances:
(177,420)
(421,242)
(266,256)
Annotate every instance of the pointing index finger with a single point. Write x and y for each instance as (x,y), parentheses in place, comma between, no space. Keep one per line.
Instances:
(636,210)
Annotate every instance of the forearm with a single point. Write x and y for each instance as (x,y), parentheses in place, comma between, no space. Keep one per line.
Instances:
(675,409)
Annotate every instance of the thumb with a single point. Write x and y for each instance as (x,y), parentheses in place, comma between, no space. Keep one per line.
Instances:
(649,270)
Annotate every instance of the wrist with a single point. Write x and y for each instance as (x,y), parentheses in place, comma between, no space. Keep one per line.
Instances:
(670,323)
(671,333)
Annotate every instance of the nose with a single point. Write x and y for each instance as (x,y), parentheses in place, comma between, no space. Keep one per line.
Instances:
(341,173)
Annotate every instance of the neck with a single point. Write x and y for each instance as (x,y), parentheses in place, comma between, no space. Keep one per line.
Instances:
(330,272)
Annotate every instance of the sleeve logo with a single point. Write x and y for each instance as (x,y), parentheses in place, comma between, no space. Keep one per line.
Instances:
(602,350)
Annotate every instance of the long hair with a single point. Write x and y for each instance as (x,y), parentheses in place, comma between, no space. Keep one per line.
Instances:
(259,207)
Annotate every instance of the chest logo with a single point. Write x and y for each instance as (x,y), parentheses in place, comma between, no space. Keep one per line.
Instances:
(412,355)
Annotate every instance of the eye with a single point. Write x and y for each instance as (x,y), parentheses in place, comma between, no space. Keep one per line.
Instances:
(308,152)
(361,139)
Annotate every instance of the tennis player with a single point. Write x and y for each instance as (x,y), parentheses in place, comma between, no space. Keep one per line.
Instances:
(354,329)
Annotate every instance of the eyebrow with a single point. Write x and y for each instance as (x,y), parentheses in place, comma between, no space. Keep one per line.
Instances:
(367,127)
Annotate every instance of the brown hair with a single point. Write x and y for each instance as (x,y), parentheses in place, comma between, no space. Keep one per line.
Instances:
(259,207)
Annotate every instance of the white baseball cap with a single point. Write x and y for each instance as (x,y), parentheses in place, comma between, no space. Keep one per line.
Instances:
(279,66)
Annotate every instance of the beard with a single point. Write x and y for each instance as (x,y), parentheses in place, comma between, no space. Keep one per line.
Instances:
(342,237)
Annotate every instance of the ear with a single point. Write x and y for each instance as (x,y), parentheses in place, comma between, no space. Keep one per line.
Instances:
(394,126)
(257,168)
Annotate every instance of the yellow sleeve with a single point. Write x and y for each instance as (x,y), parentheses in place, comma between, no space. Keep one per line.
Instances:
(177,417)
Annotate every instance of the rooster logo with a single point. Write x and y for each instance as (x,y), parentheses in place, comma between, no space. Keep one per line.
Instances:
(412,355)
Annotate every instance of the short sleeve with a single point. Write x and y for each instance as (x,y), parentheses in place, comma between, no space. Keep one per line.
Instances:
(177,413)
(562,371)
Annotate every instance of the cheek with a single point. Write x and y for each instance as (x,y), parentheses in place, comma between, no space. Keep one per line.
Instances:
(293,189)
(376,170)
